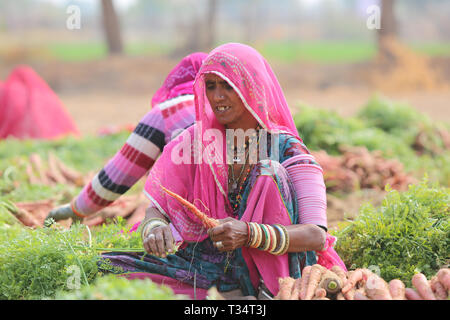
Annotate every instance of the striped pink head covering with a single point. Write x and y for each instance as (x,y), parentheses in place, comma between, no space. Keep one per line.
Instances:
(181,79)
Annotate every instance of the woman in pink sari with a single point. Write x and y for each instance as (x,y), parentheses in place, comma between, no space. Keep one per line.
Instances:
(260,236)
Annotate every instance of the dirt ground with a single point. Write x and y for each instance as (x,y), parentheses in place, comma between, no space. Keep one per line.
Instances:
(118,91)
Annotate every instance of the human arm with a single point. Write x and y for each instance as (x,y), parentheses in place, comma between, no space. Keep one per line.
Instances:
(121,172)
(233,234)
(158,240)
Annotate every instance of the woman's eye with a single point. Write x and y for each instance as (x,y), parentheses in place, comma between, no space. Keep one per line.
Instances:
(228,87)
(209,86)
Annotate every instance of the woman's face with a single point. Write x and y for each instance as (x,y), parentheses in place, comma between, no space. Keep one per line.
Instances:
(226,104)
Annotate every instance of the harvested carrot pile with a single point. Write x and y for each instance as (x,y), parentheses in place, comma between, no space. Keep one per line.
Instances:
(359,168)
(32,214)
(52,172)
(319,283)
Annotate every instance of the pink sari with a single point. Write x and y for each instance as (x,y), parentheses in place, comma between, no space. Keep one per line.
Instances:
(205,184)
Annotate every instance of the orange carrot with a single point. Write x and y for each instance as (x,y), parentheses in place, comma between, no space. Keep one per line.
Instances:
(27,218)
(352,280)
(340,296)
(443,276)
(286,285)
(304,281)
(397,289)
(340,272)
(412,294)
(377,289)
(320,293)
(420,282)
(331,282)
(296,289)
(314,280)
(207,221)
(438,289)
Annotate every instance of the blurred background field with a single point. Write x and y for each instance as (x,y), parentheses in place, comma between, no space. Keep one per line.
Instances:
(323,52)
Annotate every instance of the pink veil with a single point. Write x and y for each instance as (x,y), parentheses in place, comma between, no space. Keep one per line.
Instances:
(181,79)
(205,184)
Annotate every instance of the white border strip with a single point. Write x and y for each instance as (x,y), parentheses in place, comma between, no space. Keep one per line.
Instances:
(172,102)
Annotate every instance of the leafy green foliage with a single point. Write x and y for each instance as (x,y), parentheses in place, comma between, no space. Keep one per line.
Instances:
(384,125)
(409,232)
(111,287)
(34,264)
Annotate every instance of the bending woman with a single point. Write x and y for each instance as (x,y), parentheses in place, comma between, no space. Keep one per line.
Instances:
(257,203)
(172,111)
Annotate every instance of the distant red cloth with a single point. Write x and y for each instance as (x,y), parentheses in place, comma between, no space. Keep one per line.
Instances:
(30,109)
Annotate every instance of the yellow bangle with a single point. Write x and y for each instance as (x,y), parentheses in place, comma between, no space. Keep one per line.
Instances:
(286,245)
(254,235)
(258,235)
(273,237)
(267,239)
(281,244)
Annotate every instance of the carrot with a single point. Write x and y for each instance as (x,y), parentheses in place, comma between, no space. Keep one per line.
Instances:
(340,272)
(331,282)
(320,293)
(397,289)
(314,280)
(420,282)
(37,162)
(27,218)
(207,221)
(377,289)
(360,296)
(443,276)
(304,281)
(352,280)
(31,177)
(412,294)
(70,174)
(54,171)
(286,284)
(296,289)
(340,296)
(438,289)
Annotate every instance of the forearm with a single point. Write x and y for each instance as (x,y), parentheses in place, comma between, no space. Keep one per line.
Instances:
(152,212)
(306,237)
(126,168)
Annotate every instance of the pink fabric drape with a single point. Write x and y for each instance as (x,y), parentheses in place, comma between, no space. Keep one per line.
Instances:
(181,79)
(29,109)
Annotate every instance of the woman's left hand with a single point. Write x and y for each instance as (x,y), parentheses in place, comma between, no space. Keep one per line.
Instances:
(229,235)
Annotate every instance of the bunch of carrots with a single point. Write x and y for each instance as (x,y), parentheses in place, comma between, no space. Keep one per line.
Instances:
(319,283)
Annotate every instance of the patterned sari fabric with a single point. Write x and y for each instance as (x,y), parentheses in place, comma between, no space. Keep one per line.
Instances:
(200,265)
(268,195)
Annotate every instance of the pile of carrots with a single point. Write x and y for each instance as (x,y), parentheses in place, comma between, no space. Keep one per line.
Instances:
(319,283)
(359,168)
(52,172)
(32,214)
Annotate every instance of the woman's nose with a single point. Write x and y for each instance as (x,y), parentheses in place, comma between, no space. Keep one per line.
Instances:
(219,94)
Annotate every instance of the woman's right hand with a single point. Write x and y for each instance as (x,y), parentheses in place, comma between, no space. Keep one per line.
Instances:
(159,241)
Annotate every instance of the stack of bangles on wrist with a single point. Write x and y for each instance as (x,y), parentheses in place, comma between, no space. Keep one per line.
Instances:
(264,237)
(151,223)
